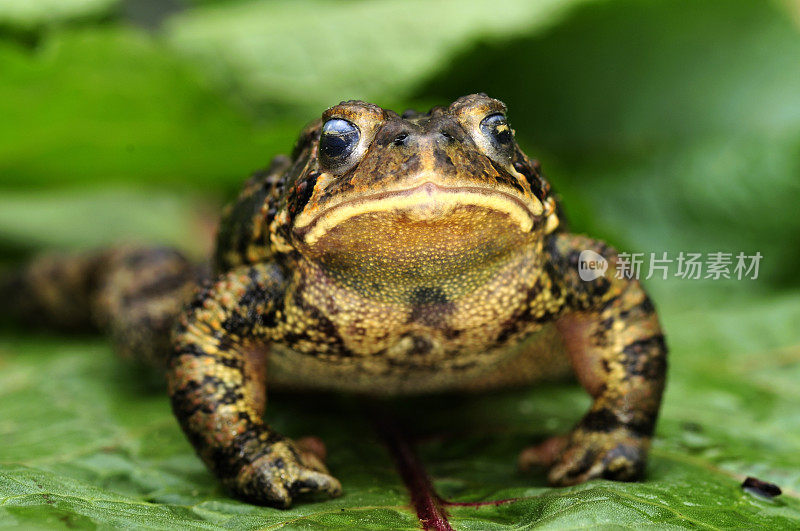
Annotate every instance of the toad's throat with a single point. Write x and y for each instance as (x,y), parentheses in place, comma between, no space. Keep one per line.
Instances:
(427,204)
(396,244)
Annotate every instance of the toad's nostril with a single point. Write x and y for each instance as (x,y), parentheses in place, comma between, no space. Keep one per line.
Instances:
(400,140)
(447,137)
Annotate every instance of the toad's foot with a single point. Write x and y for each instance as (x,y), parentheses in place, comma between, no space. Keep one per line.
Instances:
(619,455)
(280,473)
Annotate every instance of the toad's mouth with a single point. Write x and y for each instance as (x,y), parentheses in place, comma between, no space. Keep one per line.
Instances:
(426,204)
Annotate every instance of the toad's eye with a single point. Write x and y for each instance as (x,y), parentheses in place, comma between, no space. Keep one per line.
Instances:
(496,128)
(338,140)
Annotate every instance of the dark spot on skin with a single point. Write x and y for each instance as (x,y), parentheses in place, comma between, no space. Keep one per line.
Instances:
(587,461)
(546,317)
(444,164)
(643,425)
(524,315)
(234,362)
(304,191)
(184,402)
(605,324)
(236,228)
(429,306)
(430,314)
(428,295)
(573,258)
(510,327)
(262,299)
(555,288)
(237,324)
(761,488)
(411,164)
(321,323)
(646,357)
(532,177)
(607,304)
(420,346)
(633,460)
(451,333)
(601,420)
(223,393)
(302,486)
(606,421)
(646,306)
(226,461)
(503,177)
(301,192)
(395,133)
(599,336)
(340,186)
(193,350)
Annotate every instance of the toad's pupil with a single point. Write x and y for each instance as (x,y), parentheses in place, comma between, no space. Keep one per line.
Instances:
(339,138)
(496,126)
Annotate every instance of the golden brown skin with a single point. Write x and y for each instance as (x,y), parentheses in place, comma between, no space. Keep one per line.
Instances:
(389,255)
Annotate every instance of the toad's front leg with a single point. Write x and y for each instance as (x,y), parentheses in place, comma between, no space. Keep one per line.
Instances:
(614,340)
(217,381)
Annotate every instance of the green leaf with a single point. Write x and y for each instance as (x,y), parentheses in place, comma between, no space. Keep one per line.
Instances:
(28,15)
(304,56)
(110,105)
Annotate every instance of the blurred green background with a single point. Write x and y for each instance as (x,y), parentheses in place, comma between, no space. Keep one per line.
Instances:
(665,125)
